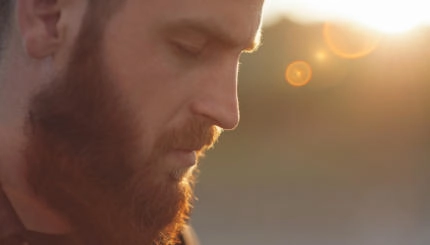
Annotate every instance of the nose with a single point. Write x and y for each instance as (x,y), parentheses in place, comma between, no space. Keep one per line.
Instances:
(217,98)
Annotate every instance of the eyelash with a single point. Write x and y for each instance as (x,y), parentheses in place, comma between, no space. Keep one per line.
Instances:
(188,50)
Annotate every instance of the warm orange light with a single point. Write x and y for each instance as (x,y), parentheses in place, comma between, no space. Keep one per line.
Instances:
(321,56)
(298,73)
(350,42)
(388,17)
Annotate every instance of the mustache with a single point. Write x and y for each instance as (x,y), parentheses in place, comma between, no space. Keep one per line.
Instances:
(193,136)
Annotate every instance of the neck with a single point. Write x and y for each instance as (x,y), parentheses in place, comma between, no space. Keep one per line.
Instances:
(34,213)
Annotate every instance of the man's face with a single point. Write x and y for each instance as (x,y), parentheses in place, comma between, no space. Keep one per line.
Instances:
(176,61)
(119,131)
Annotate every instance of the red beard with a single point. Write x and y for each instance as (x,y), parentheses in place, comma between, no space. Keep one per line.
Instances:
(82,154)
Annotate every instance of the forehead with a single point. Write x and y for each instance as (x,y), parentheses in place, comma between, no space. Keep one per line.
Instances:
(235,12)
(240,18)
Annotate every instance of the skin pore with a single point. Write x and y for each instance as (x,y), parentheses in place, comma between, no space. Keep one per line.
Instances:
(108,118)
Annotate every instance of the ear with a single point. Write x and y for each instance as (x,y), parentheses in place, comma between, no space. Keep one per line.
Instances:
(38,25)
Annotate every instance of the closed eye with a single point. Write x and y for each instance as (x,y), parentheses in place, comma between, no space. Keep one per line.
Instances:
(189,49)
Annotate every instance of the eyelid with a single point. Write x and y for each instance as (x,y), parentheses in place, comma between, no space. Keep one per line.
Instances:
(190,47)
(190,41)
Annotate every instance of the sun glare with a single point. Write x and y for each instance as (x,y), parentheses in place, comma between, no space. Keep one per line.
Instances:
(382,15)
(391,17)
(298,73)
(348,42)
(321,55)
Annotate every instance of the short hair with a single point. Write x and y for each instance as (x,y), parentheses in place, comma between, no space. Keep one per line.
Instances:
(5,19)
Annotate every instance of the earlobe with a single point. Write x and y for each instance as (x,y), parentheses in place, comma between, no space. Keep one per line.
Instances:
(38,25)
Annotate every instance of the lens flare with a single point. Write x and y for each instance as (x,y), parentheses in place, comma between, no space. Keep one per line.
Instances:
(350,41)
(321,56)
(298,73)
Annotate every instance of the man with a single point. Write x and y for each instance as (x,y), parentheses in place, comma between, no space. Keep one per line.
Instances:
(105,108)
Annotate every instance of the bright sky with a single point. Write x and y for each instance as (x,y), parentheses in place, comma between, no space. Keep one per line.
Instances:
(391,16)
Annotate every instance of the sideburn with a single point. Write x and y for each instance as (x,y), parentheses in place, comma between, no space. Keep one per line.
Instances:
(80,152)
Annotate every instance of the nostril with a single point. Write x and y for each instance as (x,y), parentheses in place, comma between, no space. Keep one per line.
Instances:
(223,113)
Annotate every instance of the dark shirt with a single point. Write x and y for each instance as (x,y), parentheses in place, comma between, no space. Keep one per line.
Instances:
(13,232)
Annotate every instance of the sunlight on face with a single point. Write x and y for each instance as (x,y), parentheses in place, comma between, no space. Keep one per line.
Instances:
(384,16)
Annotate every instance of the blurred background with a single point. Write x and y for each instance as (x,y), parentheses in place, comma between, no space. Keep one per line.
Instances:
(333,142)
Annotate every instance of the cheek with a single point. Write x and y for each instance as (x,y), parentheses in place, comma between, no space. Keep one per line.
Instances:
(149,85)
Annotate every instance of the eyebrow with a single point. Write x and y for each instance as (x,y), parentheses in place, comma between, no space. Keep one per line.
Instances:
(215,31)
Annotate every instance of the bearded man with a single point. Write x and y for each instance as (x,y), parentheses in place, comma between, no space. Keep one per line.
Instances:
(106,107)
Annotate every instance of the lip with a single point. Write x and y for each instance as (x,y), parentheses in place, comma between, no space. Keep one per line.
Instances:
(182,161)
(186,158)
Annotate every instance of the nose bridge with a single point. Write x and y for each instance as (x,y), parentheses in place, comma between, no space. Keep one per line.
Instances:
(218,99)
